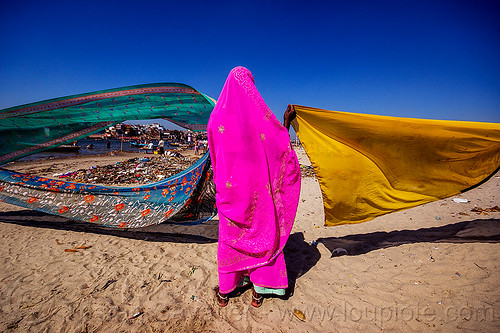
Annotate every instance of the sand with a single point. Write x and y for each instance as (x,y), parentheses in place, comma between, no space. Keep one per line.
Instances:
(431,268)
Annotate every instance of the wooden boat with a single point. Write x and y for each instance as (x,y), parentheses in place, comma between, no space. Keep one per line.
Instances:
(137,144)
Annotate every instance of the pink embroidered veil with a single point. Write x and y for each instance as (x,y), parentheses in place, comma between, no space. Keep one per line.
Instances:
(257,178)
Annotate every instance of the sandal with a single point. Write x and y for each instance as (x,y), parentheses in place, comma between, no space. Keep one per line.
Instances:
(256,299)
(222,299)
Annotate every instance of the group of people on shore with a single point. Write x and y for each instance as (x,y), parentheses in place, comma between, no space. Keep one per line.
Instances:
(199,147)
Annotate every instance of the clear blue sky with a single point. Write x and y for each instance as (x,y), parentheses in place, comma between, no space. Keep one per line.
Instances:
(422,59)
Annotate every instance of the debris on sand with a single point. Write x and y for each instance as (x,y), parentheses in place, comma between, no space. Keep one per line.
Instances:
(307,171)
(132,171)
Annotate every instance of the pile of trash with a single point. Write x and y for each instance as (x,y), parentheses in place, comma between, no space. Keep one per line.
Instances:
(486,210)
(135,171)
(307,171)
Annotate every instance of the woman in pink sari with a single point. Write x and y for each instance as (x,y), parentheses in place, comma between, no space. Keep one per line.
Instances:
(257,179)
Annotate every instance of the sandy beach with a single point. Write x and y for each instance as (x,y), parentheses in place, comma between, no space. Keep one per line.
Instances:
(430,268)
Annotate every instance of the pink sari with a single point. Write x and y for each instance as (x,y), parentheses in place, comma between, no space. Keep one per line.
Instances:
(257,178)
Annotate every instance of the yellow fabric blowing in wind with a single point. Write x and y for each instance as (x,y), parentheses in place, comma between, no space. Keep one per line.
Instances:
(369,165)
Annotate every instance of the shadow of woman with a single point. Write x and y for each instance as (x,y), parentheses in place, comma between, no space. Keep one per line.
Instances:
(207,232)
(300,257)
(476,231)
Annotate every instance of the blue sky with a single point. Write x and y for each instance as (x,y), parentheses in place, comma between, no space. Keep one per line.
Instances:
(421,59)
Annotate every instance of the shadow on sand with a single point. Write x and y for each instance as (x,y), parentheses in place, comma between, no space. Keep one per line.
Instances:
(300,256)
(476,231)
(207,232)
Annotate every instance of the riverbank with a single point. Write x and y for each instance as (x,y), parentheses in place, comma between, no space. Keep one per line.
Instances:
(431,268)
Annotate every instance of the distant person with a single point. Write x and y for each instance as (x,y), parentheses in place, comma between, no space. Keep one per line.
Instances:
(196,147)
(257,180)
(108,144)
(161,147)
(202,147)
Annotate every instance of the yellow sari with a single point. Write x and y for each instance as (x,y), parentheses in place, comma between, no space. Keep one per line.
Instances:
(369,165)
